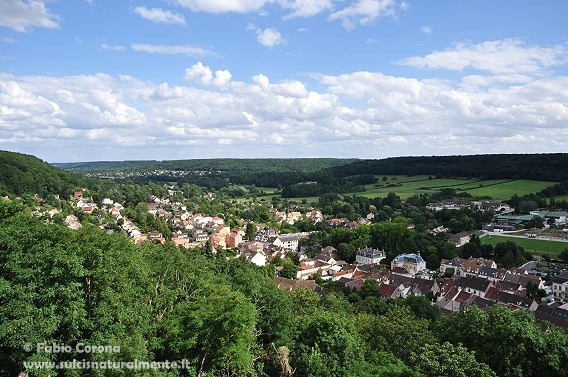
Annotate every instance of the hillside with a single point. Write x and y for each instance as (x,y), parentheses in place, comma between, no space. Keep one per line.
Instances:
(22,174)
(540,167)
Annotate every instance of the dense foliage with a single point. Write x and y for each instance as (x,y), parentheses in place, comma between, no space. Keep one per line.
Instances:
(23,174)
(227,318)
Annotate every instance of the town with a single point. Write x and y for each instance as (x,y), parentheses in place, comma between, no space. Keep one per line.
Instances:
(451,286)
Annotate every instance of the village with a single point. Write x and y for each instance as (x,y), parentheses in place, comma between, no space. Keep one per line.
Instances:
(456,284)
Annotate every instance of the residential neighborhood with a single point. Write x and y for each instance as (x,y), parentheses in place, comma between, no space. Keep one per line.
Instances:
(454,285)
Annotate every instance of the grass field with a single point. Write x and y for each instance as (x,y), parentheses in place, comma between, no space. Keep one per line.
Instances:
(406,187)
(550,247)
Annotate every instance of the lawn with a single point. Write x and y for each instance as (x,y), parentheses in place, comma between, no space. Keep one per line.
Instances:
(552,248)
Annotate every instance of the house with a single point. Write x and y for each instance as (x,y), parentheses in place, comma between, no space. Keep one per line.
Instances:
(495,206)
(422,287)
(218,240)
(411,262)
(181,240)
(306,269)
(388,291)
(553,313)
(200,236)
(234,239)
(460,239)
(370,256)
(474,285)
(291,241)
(257,258)
(560,286)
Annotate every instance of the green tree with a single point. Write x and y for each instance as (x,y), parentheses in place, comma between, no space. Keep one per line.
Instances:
(347,252)
(398,332)
(214,332)
(360,236)
(326,345)
(447,360)
(563,255)
(250,231)
(510,342)
(370,288)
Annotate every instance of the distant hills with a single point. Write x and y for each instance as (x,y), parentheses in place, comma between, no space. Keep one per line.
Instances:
(539,167)
(542,167)
(20,173)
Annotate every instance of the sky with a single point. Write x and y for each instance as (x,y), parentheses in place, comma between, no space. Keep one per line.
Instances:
(108,80)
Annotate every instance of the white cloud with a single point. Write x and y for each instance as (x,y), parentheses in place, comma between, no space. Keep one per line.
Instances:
(170,49)
(104,46)
(364,12)
(362,114)
(290,89)
(261,81)
(8,40)
(305,8)
(223,6)
(269,37)
(23,16)
(507,56)
(203,75)
(426,29)
(159,15)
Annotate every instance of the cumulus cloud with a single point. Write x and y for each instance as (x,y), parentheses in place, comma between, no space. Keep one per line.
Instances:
(499,57)
(358,114)
(203,75)
(223,6)
(160,16)
(23,16)
(171,49)
(426,29)
(269,37)
(364,12)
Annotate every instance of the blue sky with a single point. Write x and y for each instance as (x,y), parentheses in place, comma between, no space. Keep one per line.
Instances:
(89,80)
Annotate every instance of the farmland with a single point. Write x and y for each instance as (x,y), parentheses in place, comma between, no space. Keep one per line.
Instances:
(540,245)
(499,189)
(407,186)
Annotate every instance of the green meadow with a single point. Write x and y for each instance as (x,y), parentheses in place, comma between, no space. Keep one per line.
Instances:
(553,248)
(405,187)
(499,189)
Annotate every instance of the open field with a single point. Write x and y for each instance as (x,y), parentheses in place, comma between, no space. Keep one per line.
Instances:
(405,187)
(504,190)
(551,247)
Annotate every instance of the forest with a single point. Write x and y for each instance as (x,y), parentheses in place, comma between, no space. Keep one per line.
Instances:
(226,317)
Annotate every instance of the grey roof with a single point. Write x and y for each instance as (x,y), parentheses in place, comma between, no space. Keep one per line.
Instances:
(410,258)
(561,278)
(473,283)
